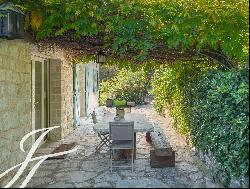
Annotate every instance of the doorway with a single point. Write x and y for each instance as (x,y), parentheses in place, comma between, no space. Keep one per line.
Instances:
(40,95)
(87,90)
(76,109)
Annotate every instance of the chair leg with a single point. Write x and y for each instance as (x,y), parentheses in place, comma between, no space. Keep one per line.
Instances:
(132,160)
(101,144)
(109,153)
(104,141)
(111,156)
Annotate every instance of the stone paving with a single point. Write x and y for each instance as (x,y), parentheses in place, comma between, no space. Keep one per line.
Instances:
(85,168)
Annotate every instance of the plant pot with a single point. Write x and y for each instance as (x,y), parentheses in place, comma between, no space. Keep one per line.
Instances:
(109,103)
(120,113)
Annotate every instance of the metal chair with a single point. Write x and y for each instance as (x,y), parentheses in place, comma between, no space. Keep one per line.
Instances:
(103,136)
(121,137)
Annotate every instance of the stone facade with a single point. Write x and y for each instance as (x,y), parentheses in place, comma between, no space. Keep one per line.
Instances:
(55,99)
(67,98)
(17,97)
(15,101)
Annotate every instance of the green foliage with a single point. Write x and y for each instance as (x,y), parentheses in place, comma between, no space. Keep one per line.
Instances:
(127,85)
(106,72)
(169,87)
(211,107)
(137,26)
(222,111)
(118,102)
(84,59)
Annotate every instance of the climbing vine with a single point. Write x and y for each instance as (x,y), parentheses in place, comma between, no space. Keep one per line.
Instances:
(139,29)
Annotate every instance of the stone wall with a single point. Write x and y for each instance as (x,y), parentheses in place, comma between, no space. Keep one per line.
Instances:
(67,97)
(55,99)
(211,163)
(15,101)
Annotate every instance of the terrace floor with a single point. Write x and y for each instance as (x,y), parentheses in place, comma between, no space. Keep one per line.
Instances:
(85,168)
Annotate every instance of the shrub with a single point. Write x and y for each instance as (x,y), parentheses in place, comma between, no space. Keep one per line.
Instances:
(106,72)
(127,85)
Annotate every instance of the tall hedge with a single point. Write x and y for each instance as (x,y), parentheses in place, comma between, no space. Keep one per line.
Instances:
(211,107)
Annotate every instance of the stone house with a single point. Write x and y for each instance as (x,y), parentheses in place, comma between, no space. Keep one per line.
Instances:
(40,89)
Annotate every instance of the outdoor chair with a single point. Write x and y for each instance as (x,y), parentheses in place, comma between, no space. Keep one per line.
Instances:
(103,136)
(121,137)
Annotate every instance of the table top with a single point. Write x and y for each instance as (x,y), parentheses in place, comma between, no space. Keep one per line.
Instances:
(141,123)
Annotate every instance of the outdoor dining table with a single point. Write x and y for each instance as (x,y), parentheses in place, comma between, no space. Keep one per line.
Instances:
(141,125)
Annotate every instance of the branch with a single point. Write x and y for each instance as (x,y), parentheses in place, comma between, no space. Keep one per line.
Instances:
(218,56)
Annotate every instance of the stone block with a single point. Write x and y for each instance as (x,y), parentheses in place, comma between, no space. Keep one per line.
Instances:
(5,63)
(14,77)
(1,62)
(3,104)
(12,64)
(21,68)
(2,90)
(12,105)
(4,48)
(5,154)
(8,76)
(26,77)
(161,161)
(14,52)
(2,75)
(4,117)
(27,67)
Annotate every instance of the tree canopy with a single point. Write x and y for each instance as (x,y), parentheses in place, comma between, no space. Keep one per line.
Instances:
(142,29)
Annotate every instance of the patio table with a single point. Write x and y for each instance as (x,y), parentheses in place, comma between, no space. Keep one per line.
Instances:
(141,125)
